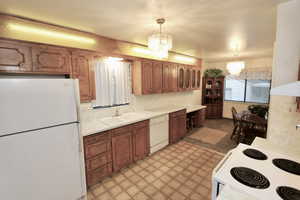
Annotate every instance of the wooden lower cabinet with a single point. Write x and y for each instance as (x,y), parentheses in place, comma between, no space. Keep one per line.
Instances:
(122,150)
(110,151)
(98,174)
(177,126)
(200,117)
(140,141)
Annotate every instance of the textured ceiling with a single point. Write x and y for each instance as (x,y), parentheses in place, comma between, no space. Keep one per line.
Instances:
(202,28)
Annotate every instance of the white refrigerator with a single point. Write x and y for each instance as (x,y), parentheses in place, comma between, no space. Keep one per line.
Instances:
(40,144)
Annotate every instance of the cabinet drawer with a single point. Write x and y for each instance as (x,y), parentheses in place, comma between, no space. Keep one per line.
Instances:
(98,161)
(104,136)
(123,129)
(97,175)
(178,113)
(141,124)
(92,150)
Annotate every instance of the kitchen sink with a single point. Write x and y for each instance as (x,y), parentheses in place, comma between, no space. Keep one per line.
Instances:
(112,120)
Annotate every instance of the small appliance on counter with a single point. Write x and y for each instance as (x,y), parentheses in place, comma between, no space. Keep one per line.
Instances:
(258,173)
(40,142)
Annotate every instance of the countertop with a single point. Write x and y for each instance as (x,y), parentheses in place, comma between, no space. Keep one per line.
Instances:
(108,123)
(265,144)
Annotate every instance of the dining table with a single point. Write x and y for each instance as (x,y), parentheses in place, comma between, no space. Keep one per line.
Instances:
(262,123)
(239,116)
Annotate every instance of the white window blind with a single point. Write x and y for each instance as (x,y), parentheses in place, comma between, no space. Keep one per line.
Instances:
(112,79)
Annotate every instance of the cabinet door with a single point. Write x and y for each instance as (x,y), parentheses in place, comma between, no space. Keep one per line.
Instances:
(167,75)
(181,120)
(15,57)
(181,77)
(200,118)
(187,78)
(122,150)
(177,126)
(198,78)
(173,82)
(80,69)
(173,130)
(147,77)
(193,78)
(51,59)
(140,140)
(157,75)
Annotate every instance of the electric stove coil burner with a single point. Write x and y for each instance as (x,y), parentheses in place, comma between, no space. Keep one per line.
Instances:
(287,165)
(288,193)
(250,177)
(255,154)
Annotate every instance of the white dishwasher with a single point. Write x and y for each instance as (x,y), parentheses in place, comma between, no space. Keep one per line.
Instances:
(159,132)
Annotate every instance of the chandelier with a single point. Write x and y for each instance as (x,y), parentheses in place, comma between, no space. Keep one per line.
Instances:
(160,43)
(235,68)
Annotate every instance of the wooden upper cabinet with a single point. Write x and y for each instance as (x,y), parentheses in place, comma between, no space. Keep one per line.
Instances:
(193,84)
(157,77)
(167,77)
(151,77)
(15,57)
(52,60)
(173,78)
(147,74)
(81,62)
(198,78)
(181,77)
(187,78)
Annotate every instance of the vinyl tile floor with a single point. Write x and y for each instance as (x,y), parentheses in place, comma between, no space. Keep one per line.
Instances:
(181,171)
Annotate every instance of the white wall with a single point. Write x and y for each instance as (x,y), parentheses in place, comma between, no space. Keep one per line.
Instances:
(283,116)
(143,103)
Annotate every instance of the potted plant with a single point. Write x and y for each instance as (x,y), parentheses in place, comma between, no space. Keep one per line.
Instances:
(260,110)
(213,73)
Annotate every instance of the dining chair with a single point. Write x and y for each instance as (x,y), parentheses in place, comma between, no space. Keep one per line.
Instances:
(235,123)
(252,126)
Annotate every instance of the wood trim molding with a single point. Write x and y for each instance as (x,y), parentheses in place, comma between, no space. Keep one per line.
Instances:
(102,44)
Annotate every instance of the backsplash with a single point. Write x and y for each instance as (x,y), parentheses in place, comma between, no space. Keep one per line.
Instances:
(139,103)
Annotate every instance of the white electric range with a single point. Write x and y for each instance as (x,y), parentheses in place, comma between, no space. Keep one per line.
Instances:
(235,170)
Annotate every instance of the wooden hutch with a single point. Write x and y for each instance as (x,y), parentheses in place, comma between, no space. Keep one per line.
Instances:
(212,96)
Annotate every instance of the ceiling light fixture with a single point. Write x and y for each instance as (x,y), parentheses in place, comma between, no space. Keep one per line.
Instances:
(235,68)
(185,59)
(48,33)
(160,42)
(113,59)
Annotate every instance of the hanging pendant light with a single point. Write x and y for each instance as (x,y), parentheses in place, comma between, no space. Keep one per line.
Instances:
(160,43)
(235,68)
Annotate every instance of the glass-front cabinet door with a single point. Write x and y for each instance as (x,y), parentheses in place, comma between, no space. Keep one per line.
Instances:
(188,78)
(198,75)
(193,78)
(181,77)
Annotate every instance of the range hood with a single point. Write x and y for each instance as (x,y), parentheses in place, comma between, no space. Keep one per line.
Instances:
(290,89)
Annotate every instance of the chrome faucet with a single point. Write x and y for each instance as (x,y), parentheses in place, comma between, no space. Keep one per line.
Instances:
(117,113)
(297,126)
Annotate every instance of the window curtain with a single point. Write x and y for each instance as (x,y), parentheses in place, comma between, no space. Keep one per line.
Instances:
(112,83)
(253,74)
